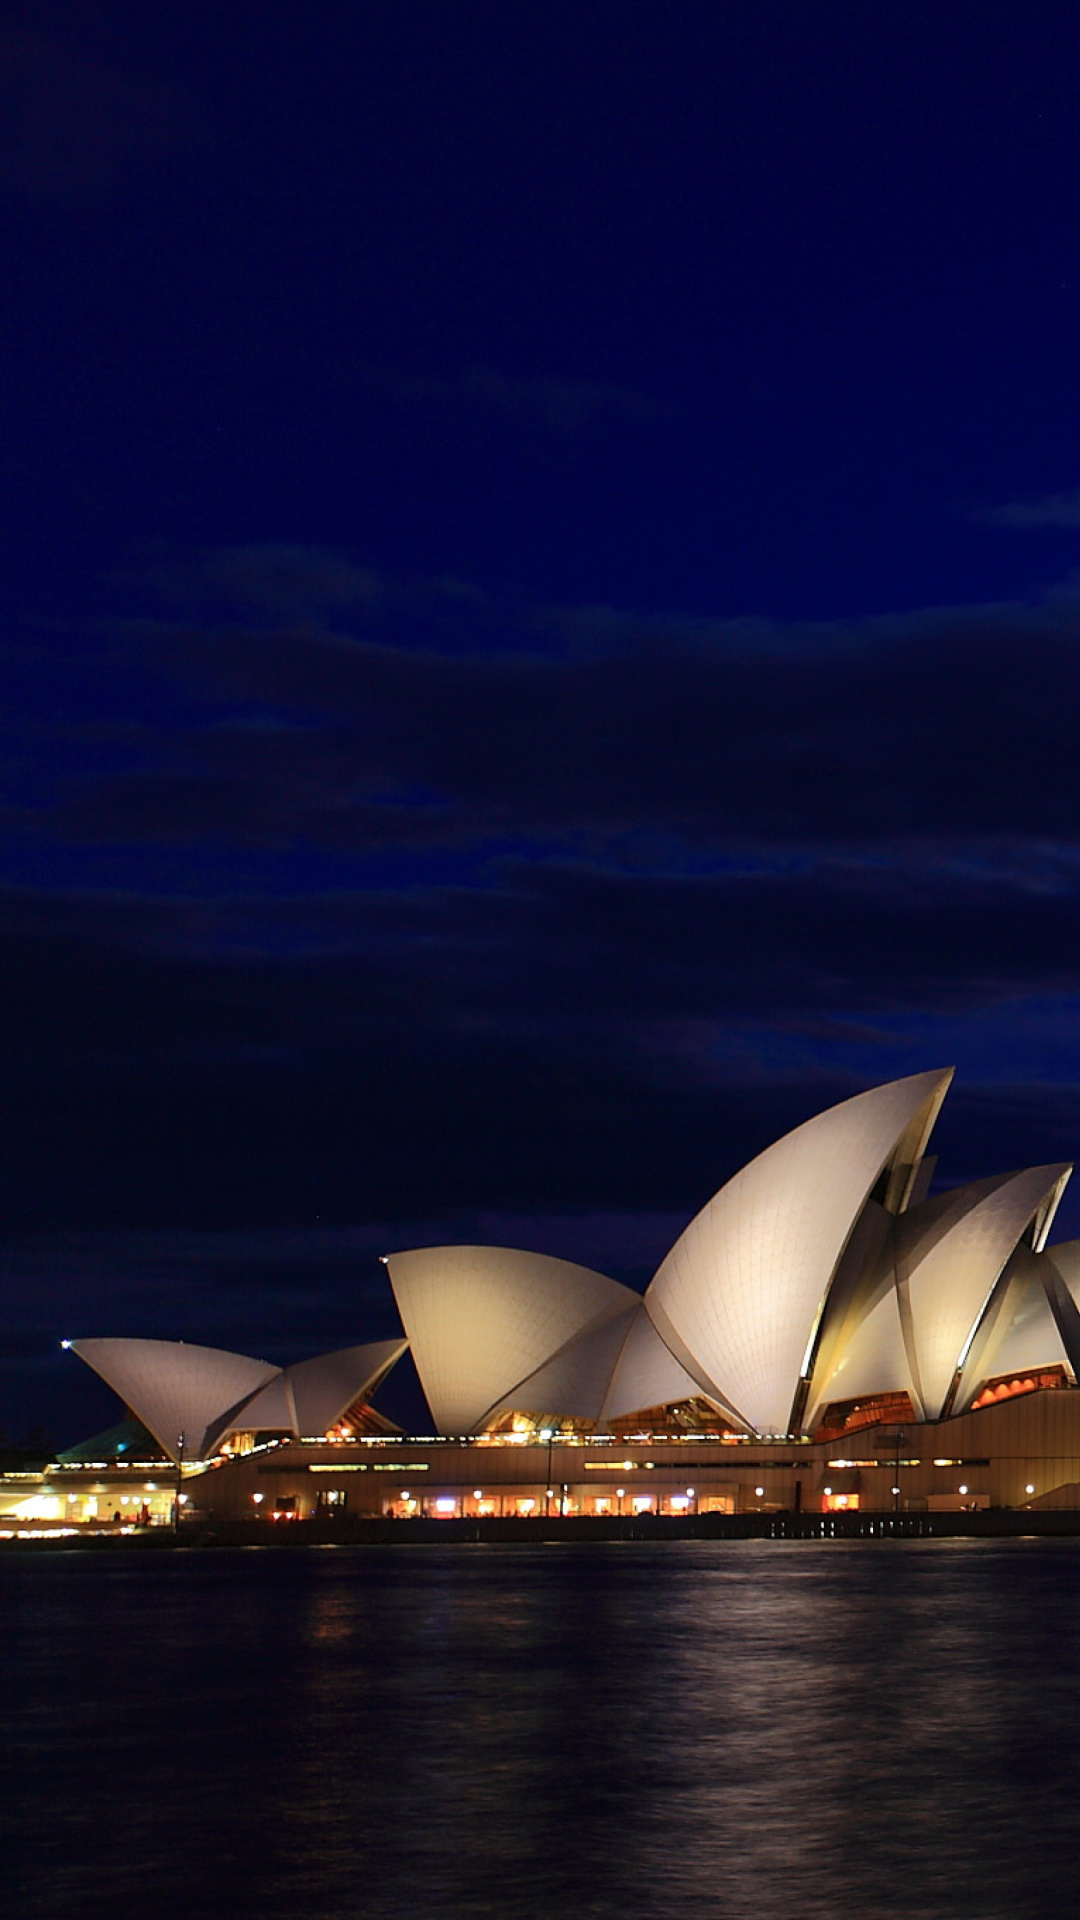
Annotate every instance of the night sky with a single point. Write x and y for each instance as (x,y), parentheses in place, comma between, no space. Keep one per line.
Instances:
(542,562)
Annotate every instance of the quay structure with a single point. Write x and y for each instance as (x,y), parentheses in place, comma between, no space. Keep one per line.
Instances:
(828,1335)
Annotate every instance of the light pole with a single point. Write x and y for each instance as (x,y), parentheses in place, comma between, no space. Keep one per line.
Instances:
(547,1433)
(179,1481)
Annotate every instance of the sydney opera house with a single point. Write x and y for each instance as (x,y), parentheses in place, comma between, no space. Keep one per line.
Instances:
(826,1335)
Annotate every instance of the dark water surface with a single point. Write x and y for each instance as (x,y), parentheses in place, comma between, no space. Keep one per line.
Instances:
(754,1730)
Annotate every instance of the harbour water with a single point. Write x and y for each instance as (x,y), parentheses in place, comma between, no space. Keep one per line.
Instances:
(752,1730)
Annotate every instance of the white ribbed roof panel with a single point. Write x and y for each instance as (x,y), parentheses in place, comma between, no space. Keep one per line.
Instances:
(744,1285)
(647,1374)
(175,1388)
(271,1410)
(1024,1338)
(572,1385)
(873,1360)
(482,1319)
(950,1287)
(325,1388)
(308,1397)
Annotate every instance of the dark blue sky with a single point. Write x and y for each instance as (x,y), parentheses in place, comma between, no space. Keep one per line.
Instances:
(540,630)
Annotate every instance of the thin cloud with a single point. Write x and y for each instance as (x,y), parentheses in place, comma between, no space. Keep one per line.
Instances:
(1051,510)
(558,406)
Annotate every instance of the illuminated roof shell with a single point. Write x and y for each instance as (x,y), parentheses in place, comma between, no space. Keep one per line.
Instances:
(647,1374)
(743,1289)
(482,1320)
(312,1395)
(177,1389)
(205,1393)
(950,1254)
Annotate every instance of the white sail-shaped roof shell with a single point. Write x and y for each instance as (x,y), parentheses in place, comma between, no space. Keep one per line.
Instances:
(177,1389)
(950,1283)
(744,1286)
(573,1384)
(1019,1335)
(481,1320)
(310,1396)
(647,1374)
(872,1360)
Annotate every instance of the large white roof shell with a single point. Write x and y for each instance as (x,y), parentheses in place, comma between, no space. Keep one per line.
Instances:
(481,1320)
(177,1389)
(743,1288)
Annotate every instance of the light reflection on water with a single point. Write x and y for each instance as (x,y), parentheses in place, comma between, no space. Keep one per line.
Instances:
(755,1729)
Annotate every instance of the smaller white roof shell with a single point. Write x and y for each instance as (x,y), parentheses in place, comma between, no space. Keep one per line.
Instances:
(205,1393)
(1019,1334)
(872,1360)
(481,1320)
(177,1389)
(951,1280)
(647,1373)
(308,1397)
(573,1383)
